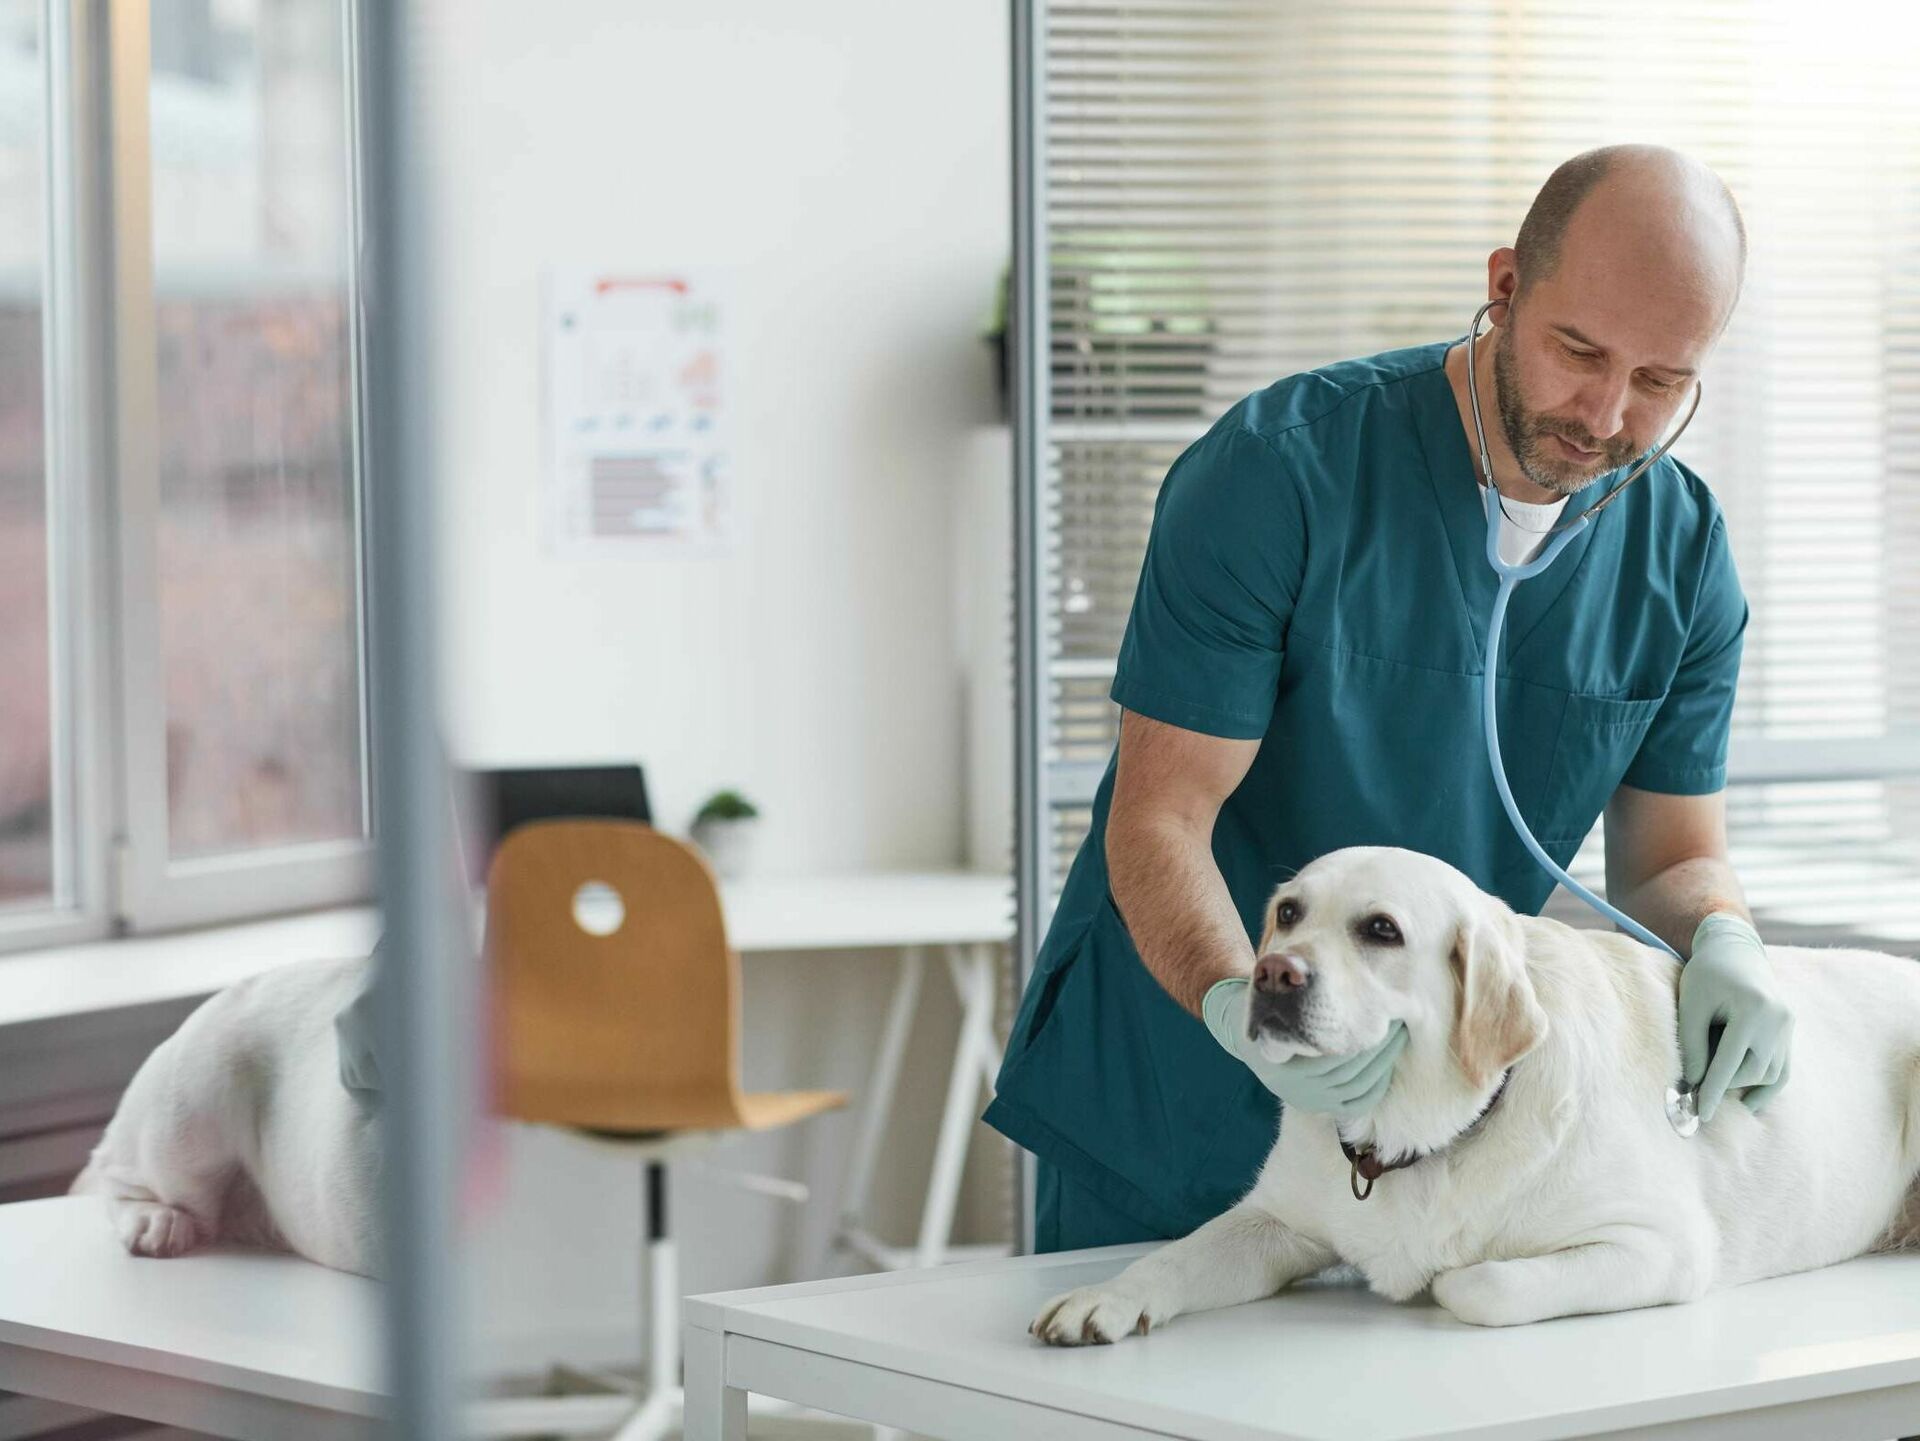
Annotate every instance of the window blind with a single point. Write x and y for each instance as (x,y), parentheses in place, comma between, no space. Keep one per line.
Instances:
(1238,191)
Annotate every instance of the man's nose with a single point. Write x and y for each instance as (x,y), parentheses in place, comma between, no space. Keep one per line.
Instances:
(1279,972)
(1603,408)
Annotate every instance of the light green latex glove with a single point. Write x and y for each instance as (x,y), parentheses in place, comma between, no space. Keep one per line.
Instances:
(1729,982)
(1344,1087)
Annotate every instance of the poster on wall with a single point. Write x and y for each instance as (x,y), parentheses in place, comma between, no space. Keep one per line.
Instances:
(636,388)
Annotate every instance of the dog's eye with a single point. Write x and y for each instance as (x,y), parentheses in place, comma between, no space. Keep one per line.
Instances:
(1286,913)
(1381,929)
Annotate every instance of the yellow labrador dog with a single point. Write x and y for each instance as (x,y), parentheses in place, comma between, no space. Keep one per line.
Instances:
(1521,1164)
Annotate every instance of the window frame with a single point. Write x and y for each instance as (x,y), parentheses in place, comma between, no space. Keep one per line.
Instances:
(110,781)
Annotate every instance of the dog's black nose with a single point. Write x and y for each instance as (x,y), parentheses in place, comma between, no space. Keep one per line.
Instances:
(1279,973)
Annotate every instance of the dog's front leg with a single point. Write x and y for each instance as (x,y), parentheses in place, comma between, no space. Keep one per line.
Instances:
(1609,1275)
(1241,1256)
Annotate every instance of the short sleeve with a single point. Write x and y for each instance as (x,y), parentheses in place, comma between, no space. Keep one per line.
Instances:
(1685,749)
(1206,636)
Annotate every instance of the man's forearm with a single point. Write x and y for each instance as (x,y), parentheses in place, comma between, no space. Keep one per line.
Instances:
(1177,908)
(1673,902)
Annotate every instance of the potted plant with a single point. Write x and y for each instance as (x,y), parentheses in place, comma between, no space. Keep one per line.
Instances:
(724,828)
(1143,341)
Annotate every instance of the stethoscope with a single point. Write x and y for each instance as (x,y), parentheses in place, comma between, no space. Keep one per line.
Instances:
(1511,576)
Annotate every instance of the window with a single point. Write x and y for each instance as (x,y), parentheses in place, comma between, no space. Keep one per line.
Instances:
(182,535)
(1237,191)
(27,878)
(257,555)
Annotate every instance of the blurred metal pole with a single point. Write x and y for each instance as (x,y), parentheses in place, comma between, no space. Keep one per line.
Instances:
(1029,386)
(423,1036)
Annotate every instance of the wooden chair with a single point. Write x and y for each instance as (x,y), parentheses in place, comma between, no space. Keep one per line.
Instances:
(622,1022)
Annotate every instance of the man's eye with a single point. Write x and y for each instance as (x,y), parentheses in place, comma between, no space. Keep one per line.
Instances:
(1382,928)
(1579,354)
(1658,387)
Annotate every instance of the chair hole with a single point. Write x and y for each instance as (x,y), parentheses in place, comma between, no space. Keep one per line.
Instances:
(598,909)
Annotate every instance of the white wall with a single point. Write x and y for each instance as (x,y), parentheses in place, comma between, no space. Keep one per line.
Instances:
(848,162)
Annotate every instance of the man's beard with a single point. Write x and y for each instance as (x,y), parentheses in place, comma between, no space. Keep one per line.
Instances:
(1540,461)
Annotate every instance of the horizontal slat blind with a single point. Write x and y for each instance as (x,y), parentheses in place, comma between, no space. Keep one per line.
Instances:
(1238,191)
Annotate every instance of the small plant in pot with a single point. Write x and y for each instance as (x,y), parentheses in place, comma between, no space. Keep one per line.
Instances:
(724,828)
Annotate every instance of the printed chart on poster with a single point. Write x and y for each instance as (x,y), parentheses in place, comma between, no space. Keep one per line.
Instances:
(637,384)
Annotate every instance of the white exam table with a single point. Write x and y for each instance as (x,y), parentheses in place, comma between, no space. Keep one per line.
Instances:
(248,1344)
(254,1345)
(1832,1355)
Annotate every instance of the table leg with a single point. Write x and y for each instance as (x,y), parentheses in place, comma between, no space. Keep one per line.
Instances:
(986,1049)
(973,977)
(714,1411)
(881,1086)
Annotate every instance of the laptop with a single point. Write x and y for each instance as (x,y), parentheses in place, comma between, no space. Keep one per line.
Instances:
(496,801)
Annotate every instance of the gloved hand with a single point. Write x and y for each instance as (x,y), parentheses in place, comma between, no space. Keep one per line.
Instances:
(1729,982)
(1344,1087)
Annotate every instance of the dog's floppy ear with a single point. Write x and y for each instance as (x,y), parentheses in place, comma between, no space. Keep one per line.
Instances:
(1499,1018)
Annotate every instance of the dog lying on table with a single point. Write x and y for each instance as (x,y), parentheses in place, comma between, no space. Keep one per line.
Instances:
(238,1128)
(1521,1164)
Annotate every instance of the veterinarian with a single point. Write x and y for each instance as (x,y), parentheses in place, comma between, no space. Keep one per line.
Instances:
(1301,672)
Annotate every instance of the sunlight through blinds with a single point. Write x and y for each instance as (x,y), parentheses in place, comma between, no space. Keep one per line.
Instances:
(1238,191)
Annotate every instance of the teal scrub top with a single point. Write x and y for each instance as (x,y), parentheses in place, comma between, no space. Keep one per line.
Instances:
(1316,580)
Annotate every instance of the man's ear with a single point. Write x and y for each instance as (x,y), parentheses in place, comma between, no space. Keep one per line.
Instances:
(1499,1018)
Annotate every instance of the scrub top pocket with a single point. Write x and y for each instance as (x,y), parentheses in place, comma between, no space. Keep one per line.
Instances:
(1599,737)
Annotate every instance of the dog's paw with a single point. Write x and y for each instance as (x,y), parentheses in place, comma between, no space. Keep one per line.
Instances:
(148,1228)
(1095,1316)
(1482,1295)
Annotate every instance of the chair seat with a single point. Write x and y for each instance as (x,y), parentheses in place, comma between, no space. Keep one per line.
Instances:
(650,1145)
(621,1115)
(763,1110)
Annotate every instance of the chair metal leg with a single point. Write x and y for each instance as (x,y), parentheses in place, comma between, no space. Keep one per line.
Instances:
(660,1403)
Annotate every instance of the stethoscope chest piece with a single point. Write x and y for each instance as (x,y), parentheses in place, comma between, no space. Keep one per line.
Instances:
(1683,1111)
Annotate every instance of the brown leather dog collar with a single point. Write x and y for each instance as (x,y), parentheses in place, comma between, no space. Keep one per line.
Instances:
(1367,1165)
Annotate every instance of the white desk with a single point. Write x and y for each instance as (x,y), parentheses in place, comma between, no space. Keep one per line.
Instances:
(964,916)
(870,909)
(1828,1356)
(235,1343)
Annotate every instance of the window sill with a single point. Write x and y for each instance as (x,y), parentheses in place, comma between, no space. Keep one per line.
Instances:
(136,974)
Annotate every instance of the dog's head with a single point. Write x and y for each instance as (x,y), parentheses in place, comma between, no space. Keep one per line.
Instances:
(1367,936)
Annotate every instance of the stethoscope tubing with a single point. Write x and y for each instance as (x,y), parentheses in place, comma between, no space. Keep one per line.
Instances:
(1510,576)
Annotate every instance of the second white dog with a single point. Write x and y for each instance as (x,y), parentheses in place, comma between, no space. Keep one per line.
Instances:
(1571,1193)
(238,1128)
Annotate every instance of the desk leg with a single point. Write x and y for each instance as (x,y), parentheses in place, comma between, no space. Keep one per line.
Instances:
(973,978)
(714,1411)
(881,1086)
(986,1049)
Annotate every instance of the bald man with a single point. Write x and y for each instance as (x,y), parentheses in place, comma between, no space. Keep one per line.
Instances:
(1301,671)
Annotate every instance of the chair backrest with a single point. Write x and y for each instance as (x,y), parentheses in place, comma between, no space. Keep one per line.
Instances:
(634,1030)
